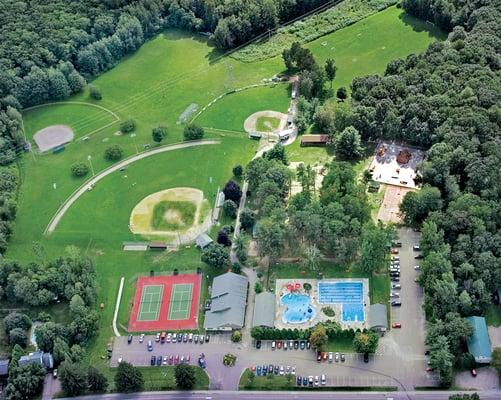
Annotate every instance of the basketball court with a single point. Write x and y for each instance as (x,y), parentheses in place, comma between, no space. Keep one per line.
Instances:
(166,303)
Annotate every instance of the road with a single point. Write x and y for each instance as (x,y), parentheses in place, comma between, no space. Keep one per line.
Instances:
(230,395)
(115,167)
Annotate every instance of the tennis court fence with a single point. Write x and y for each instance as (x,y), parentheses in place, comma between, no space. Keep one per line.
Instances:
(152,274)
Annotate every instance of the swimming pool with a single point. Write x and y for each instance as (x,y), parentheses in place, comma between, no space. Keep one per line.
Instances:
(298,308)
(349,294)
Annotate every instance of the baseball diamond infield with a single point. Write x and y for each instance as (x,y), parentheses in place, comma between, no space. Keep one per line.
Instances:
(173,213)
(251,123)
(53,136)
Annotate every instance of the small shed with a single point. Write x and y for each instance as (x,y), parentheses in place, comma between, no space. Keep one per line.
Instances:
(135,246)
(203,240)
(264,310)
(220,199)
(255,135)
(378,317)
(479,343)
(157,246)
(314,140)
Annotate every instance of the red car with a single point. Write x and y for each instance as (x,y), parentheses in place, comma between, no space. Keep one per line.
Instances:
(171,360)
(394,251)
(176,359)
(429,369)
(474,372)
(253,368)
(319,356)
(396,325)
(188,359)
(279,344)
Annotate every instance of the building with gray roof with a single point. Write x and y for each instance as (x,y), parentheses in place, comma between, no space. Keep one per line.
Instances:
(203,240)
(38,357)
(378,317)
(4,368)
(228,303)
(479,343)
(264,310)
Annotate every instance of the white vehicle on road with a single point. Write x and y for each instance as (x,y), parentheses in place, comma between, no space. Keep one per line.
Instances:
(394,294)
(417,267)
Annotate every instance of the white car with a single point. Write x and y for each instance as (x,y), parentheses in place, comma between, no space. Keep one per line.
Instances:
(337,357)
(395,286)
(282,370)
(288,370)
(293,370)
(395,258)
(141,338)
(168,338)
(273,345)
(330,356)
(394,294)
(416,247)
(323,379)
(317,381)
(417,267)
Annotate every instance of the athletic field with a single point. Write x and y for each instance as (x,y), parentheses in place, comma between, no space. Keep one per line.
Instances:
(166,303)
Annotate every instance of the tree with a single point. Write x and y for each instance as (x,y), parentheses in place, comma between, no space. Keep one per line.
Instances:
(79,169)
(232,191)
(193,132)
(311,258)
(95,92)
(230,209)
(270,238)
(73,378)
(223,238)
(128,126)
(238,171)
(416,206)
(373,247)
(318,337)
(247,219)
(342,93)
(258,287)
(215,255)
(18,336)
(96,381)
(16,319)
(496,359)
(441,360)
(159,133)
(277,153)
(330,70)
(236,336)
(185,376)
(113,153)
(45,334)
(25,382)
(348,143)
(365,342)
(128,378)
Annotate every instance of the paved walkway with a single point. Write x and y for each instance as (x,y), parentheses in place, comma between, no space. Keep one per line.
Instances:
(115,167)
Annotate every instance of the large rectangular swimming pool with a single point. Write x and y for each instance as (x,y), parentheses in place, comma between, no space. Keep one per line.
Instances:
(349,294)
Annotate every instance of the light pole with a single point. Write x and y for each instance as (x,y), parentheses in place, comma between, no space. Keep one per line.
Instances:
(89,158)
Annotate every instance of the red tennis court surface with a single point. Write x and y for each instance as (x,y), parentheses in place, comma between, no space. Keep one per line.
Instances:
(166,303)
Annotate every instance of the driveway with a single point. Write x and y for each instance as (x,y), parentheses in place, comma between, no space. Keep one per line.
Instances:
(487,378)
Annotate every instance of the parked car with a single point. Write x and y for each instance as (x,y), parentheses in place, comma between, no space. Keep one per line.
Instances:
(54,373)
(129,339)
(190,337)
(296,344)
(474,372)
(291,344)
(276,370)
(164,362)
(271,368)
(366,357)
(395,279)
(325,355)
(163,335)
(293,370)
(299,380)
(157,338)
(308,345)
(310,380)
(317,381)
(395,258)
(416,247)
(171,359)
(396,325)
(159,360)
(168,338)
(187,359)
(273,345)
(141,338)
(418,257)
(331,356)
(395,286)
(181,360)
(287,370)
(153,360)
(207,338)
(202,339)
(394,251)
(176,359)
(305,380)
(258,344)
(429,369)
(195,338)
(279,344)
(394,294)
(185,338)
(323,379)
(285,345)
(150,345)
(417,267)
(319,356)
(281,370)
(258,370)
(343,357)
(396,303)
(302,344)
(336,358)
(174,337)
(396,244)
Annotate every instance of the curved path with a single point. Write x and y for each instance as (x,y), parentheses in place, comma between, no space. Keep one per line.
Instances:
(115,167)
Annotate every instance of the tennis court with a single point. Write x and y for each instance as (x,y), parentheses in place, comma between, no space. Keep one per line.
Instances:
(165,303)
(150,303)
(180,301)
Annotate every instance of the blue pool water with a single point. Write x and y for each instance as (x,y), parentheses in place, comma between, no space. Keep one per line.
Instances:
(349,294)
(298,308)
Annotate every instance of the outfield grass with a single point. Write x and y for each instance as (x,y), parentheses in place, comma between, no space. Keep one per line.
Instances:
(232,110)
(154,86)
(185,213)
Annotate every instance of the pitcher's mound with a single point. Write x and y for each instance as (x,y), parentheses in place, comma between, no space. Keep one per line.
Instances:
(179,214)
(53,136)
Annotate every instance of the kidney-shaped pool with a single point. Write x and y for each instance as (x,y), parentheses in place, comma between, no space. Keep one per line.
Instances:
(298,308)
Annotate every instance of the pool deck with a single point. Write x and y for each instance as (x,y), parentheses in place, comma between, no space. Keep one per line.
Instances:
(280,290)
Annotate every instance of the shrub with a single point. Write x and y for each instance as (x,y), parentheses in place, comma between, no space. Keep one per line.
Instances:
(79,169)
(328,311)
(193,132)
(247,219)
(229,359)
(306,286)
(258,287)
(230,209)
(158,134)
(238,171)
(223,238)
(113,153)
(232,191)
(128,126)
(236,268)
(95,93)
(236,336)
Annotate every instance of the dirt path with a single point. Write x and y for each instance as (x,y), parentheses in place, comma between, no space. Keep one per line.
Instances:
(115,167)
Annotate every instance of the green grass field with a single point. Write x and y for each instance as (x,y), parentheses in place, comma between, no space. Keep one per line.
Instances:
(267,124)
(160,84)
(184,218)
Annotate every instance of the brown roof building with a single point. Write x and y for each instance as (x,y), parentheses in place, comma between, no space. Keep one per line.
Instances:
(314,140)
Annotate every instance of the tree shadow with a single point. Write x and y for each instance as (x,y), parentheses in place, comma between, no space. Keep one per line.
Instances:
(419,25)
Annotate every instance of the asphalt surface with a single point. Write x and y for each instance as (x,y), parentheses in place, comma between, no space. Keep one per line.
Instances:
(230,395)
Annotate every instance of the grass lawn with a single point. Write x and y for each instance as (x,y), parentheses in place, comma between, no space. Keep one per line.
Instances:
(341,345)
(232,110)
(267,124)
(268,382)
(154,86)
(493,315)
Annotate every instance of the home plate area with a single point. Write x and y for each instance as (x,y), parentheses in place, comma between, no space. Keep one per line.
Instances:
(166,303)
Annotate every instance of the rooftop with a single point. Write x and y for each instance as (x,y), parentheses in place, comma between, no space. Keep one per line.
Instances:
(479,343)
(264,310)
